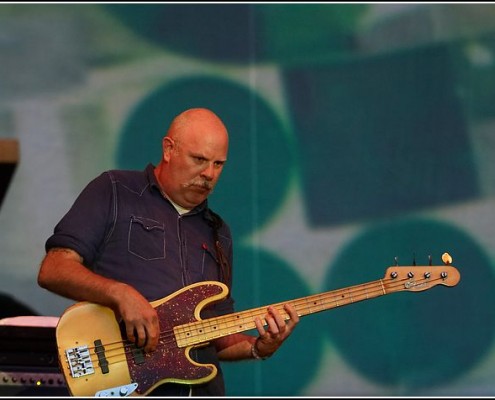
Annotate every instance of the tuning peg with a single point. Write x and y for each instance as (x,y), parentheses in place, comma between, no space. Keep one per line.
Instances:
(446,258)
(429,260)
(414,259)
(396,260)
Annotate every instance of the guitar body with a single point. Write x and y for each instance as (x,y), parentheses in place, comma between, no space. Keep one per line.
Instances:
(84,323)
(81,325)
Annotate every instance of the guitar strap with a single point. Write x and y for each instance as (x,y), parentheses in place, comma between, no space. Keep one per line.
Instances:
(216,223)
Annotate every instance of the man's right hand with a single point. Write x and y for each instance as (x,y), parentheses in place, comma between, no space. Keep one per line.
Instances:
(140,318)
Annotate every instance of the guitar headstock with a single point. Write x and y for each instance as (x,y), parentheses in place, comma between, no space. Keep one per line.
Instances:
(423,277)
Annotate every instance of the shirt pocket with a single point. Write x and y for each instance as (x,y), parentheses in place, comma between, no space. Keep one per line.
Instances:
(146,238)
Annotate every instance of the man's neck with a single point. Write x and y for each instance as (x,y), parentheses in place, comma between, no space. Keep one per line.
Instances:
(181,210)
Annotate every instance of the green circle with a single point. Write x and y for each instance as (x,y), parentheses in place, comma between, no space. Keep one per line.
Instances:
(413,341)
(247,33)
(260,163)
(262,279)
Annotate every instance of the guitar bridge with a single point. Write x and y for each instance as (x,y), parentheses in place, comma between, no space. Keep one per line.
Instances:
(79,360)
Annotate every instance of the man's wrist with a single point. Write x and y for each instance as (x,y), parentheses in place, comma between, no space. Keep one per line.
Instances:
(254,351)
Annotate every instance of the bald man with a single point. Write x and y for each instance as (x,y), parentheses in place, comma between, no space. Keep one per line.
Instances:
(135,237)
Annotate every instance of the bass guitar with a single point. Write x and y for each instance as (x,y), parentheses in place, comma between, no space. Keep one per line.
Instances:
(97,360)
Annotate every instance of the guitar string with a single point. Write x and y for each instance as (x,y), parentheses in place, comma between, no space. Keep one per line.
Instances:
(338,296)
(168,335)
(243,321)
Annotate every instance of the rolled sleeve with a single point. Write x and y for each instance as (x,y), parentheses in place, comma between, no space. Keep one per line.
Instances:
(85,226)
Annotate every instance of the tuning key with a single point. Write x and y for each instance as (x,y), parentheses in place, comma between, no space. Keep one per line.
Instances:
(446,258)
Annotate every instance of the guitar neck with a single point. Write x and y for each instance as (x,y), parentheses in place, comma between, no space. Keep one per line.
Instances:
(396,279)
(202,331)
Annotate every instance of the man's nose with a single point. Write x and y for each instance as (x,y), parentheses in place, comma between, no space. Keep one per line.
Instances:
(209,171)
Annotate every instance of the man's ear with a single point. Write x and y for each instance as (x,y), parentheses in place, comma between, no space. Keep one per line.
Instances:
(167,147)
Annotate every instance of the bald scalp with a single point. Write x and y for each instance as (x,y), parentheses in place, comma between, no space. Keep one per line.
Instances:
(199,117)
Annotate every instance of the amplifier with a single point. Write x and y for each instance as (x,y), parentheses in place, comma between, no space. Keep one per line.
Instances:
(32,383)
(29,359)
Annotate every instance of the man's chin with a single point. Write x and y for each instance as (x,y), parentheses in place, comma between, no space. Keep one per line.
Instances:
(198,197)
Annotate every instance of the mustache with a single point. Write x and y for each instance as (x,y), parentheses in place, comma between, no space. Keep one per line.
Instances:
(201,183)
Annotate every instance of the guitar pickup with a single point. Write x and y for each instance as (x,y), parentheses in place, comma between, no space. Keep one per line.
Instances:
(137,354)
(102,360)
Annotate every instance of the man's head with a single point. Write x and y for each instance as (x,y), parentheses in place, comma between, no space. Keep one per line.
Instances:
(194,152)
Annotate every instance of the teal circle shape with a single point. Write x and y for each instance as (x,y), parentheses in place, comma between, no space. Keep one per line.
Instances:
(413,341)
(246,34)
(260,162)
(262,279)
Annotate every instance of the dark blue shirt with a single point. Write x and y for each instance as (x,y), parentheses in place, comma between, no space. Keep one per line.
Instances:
(125,229)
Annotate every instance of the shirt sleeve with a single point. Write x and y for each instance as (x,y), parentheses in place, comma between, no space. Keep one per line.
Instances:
(85,226)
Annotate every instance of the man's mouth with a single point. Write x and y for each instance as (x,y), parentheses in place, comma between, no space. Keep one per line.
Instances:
(205,186)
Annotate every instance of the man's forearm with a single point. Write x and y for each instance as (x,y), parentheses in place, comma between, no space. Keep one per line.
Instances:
(62,272)
(235,347)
